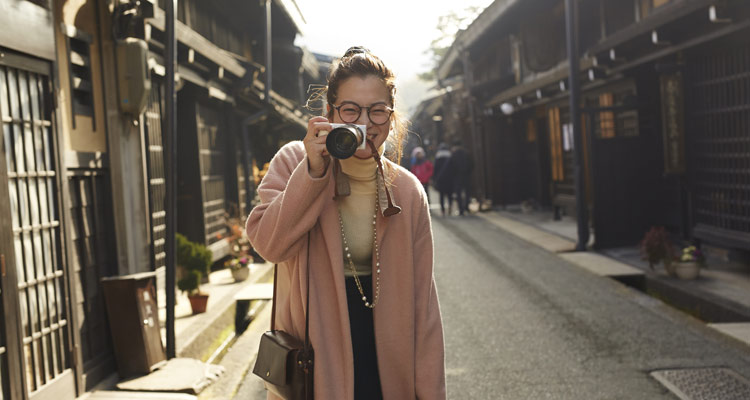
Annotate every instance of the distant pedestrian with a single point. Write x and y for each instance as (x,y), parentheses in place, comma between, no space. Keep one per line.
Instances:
(422,168)
(442,179)
(459,170)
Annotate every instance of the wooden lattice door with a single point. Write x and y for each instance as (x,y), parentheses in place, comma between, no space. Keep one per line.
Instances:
(35,352)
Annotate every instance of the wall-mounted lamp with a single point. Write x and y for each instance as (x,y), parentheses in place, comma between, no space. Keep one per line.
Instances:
(507,108)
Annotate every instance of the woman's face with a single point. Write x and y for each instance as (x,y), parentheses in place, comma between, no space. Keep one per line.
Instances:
(366,92)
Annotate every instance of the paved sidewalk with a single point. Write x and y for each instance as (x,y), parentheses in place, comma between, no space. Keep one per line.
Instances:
(725,283)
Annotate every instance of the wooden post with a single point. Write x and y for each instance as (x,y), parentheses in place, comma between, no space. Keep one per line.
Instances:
(571,29)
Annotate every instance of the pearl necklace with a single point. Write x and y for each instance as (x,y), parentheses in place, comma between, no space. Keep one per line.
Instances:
(377,258)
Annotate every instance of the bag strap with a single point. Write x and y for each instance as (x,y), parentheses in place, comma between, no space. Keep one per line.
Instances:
(307,301)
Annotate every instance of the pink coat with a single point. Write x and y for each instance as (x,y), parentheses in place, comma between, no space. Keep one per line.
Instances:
(423,171)
(408,325)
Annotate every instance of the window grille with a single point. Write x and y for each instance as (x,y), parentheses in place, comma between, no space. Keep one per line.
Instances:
(718,140)
(156,180)
(90,263)
(34,220)
(79,64)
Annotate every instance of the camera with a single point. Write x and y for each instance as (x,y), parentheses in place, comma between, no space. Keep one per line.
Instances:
(345,139)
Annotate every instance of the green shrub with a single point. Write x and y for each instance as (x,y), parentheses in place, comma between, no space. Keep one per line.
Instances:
(193,256)
(190,283)
(196,259)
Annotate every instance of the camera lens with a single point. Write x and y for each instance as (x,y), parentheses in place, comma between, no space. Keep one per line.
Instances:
(342,142)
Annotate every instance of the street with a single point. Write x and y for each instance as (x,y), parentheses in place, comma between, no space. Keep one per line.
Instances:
(521,323)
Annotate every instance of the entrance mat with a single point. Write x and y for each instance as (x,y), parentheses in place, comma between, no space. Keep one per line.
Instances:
(704,383)
(184,375)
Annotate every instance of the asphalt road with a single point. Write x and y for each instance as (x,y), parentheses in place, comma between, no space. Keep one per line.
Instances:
(521,323)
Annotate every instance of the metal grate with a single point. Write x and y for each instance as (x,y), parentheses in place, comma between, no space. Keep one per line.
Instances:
(34,217)
(704,383)
(718,136)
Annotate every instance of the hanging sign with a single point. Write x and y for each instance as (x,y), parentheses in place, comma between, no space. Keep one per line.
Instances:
(673,123)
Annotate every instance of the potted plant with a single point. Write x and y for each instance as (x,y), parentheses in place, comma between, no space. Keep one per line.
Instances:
(190,284)
(195,260)
(240,268)
(690,263)
(656,247)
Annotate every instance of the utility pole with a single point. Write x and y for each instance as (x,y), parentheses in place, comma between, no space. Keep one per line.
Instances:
(170,172)
(571,30)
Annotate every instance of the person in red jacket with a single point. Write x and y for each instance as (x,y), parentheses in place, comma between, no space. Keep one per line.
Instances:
(422,168)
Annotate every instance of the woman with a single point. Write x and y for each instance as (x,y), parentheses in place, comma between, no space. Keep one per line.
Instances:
(375,321)
(421,167)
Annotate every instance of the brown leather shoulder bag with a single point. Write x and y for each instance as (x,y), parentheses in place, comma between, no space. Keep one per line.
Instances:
(285,362)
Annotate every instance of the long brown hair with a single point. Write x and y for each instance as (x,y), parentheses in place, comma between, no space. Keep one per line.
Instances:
(360,62)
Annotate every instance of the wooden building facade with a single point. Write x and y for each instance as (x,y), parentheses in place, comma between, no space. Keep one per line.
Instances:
(665,102)
(82,180)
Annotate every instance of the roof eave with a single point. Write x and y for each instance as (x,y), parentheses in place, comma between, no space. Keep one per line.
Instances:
(466,38)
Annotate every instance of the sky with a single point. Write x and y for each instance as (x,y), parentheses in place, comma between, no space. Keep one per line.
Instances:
(397,31)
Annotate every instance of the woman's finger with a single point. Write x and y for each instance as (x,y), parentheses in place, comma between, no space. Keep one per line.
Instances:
(313,126)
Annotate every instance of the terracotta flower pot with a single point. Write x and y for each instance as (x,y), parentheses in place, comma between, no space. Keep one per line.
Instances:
(240,274)
(198,303)
(686,269)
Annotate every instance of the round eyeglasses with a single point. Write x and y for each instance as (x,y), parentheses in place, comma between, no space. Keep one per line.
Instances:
(349,112)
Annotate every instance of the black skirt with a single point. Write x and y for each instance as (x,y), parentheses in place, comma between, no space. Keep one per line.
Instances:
(366,375)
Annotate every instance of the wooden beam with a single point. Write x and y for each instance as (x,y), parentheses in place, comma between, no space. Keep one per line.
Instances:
(195,41)
(729,29)
(550,77)
(668,14)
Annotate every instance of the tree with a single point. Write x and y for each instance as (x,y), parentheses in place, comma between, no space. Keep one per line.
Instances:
(448,25)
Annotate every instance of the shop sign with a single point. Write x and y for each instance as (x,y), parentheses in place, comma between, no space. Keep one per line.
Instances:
(673,122)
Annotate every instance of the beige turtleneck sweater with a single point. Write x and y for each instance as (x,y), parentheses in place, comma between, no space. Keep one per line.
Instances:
(357,212)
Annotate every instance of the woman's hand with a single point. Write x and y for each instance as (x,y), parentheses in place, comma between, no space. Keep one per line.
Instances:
(315,146)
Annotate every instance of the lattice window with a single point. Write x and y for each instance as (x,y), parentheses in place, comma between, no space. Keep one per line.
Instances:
(90,263)
(34,220)
(718,137)
(157,183)
(81,83)
(212,151)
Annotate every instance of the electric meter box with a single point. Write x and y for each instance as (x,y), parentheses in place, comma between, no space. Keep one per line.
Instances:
(133,75)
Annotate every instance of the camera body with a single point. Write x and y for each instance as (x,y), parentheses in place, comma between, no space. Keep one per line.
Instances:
(345,139)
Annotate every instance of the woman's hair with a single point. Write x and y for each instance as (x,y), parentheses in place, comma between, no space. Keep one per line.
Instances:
(360,62)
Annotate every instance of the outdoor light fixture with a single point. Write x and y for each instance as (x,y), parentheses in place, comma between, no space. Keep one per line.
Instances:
(655,39)
(595,73)
(713,16)
(437,118)
(506,108)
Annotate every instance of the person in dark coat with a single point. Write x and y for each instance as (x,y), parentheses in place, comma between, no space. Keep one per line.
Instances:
(459,168)
(442,179)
